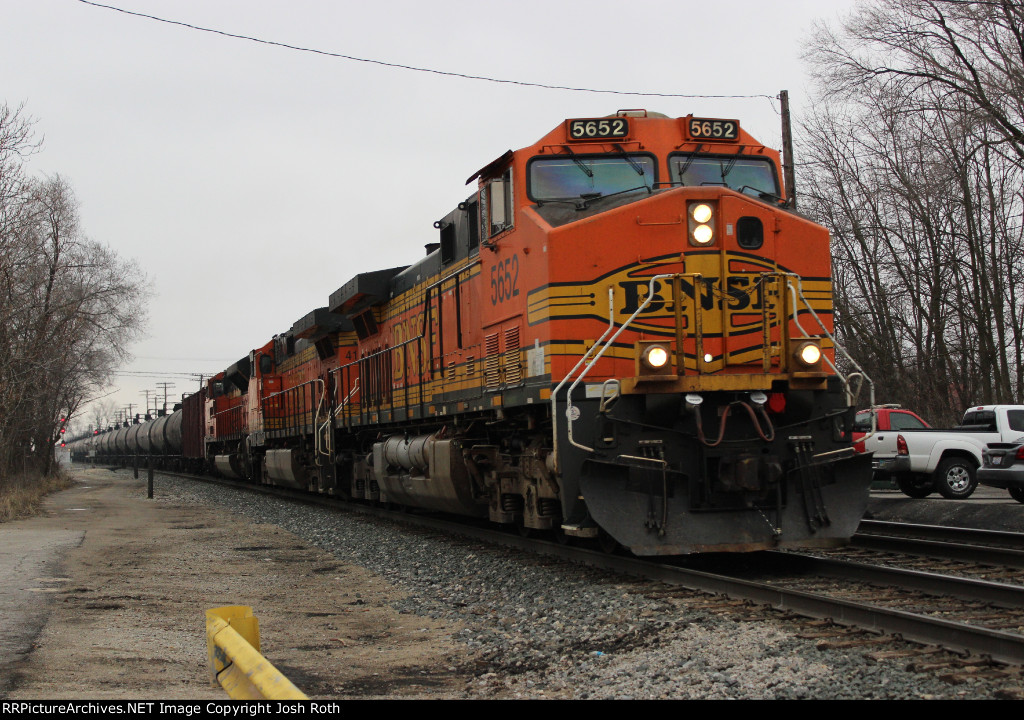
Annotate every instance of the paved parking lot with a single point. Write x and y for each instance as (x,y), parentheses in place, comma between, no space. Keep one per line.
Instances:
(988,508)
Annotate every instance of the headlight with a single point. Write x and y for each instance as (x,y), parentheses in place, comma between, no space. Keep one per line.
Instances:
(703,234)
(656,357)
(701,213)
(809,354)
(653,360)
(700,219)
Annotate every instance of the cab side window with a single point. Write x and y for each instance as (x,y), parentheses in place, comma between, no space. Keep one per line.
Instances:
(902,421)
(497,197)
(1016,419)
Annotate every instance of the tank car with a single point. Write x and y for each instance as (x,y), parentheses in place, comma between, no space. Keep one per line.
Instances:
(156,439)
(81,449)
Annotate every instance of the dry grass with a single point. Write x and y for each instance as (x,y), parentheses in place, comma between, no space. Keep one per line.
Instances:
(22,496)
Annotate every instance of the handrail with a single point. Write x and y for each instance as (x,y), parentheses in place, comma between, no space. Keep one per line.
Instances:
(794,285)
(288,392)
(378,353)
(343,403)
(608,344)
(239,410)
(554,393)
(293,388)
(424,334)
(317,394)
(851,396)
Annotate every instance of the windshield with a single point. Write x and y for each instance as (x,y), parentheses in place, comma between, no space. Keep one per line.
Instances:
(747,175)
(568,177)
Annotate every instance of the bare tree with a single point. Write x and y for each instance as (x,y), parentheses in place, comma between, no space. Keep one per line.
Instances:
(915,165)
(101,414)
(929,48)
(69,307)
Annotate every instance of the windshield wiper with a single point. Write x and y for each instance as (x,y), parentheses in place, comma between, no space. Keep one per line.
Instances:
(687,164)
(732,162)
(579,163)
(633,163)
(761,194)
(586,198)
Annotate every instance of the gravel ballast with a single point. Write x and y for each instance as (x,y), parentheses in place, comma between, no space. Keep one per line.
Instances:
(535,627)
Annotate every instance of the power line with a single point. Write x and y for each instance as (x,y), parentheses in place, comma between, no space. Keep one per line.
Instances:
(409,67)
(160,375)
(163,358)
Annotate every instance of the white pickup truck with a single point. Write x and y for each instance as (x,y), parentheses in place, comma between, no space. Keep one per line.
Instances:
(926,460)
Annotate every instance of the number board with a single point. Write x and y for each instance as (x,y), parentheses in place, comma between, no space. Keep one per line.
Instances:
(715,129)
(597,128)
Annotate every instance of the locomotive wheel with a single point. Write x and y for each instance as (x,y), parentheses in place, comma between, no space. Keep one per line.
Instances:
(955,479)
(915,486)
(1017,493)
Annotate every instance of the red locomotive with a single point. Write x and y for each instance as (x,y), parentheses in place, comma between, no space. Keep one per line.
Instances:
(622,334)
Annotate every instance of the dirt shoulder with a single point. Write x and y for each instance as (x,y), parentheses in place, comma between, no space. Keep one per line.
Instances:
(111,592)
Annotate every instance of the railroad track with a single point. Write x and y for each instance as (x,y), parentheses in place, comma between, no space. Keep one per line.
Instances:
(990,547)
(933,609)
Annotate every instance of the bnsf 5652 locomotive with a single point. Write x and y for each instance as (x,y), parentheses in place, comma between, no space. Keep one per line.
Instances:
(621,334)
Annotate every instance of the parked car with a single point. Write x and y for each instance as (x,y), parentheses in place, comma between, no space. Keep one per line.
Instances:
(1003,467)
(923,461)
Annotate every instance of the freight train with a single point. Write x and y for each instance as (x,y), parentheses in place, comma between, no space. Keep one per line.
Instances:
(624,334)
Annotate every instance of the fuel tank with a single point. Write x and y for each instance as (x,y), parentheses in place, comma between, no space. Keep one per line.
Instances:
(427,472)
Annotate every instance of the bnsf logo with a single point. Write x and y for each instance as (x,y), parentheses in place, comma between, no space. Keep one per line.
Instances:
(738,299)
(743,292)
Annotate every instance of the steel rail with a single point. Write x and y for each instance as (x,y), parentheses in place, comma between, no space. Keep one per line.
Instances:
(978,546)
(938,549)
(987,591)
(940,532)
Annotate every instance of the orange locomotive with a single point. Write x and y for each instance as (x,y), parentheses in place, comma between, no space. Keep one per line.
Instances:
(623,334)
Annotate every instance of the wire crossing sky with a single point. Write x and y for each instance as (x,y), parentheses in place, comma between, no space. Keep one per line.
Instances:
(409,67)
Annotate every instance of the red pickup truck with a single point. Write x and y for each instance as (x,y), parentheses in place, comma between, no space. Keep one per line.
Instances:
(888,418)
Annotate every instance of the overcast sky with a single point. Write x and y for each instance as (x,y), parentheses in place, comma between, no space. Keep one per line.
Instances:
(250,181)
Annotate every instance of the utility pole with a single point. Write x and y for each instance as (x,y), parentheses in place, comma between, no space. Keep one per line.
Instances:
(788,168)
(165,385)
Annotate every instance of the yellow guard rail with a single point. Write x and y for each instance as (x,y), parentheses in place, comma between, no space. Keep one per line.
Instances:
(233,645)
